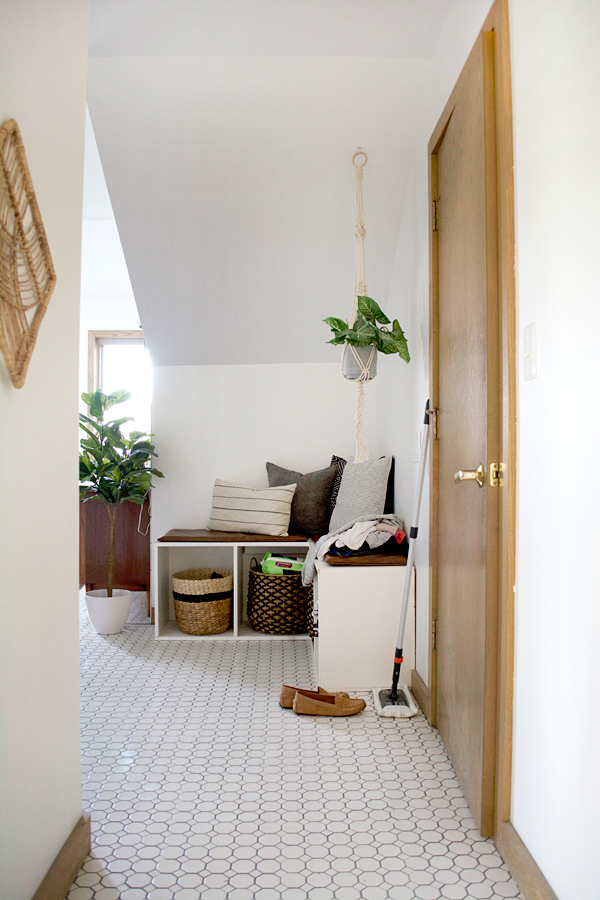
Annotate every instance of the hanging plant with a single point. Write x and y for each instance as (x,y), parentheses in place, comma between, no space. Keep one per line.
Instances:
(369,328)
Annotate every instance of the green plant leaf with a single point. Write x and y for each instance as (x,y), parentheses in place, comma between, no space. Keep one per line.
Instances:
(402,345)
(387,343)
(119,422)
(94,401)
(91,422)
(135,436)
(91,441)
(109,400)
(371,311)
(362,332)
(336,324)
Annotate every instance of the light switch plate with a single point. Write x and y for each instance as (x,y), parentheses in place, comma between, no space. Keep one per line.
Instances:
(530,352)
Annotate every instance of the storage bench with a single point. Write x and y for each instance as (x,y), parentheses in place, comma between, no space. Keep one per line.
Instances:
(359,601)
(184,548)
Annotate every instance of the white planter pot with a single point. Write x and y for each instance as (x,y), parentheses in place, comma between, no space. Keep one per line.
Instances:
(108,614)
(350,367)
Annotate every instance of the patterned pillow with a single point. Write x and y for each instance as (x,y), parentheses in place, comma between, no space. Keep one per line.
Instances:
(310,506)
(339,464)
(362,491)
(250,511)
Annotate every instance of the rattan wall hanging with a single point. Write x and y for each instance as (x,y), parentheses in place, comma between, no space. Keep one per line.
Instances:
(27,276)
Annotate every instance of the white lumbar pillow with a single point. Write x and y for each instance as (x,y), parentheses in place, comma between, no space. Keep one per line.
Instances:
(252,511)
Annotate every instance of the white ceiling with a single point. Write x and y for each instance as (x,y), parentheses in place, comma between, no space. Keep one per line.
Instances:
(226,132)
(394,28)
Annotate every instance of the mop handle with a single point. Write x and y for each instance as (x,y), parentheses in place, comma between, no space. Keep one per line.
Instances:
(412,542)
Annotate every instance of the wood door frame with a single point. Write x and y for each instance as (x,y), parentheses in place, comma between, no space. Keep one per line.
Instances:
(522,866)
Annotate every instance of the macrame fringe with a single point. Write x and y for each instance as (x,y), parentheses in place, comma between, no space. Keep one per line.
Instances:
(362,451)
(360,290)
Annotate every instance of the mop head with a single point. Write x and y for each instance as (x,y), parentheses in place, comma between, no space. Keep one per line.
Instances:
(403,708)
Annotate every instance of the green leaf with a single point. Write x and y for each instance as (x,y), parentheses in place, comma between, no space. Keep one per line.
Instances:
(91,422)
(371,311)
(118,422)
(336,324)
(94,401)
(91,441)
(387,343)
(109,400)
(403,350)
(98,402)
(362,332)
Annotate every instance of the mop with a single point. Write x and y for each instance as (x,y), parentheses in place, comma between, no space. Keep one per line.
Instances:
(399,702)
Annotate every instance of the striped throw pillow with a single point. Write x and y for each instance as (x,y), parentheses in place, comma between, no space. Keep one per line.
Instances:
(250,511)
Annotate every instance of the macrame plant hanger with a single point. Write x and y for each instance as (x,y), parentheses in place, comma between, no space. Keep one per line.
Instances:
(360,290)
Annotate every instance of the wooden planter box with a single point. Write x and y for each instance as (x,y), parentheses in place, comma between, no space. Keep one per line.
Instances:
(132,549)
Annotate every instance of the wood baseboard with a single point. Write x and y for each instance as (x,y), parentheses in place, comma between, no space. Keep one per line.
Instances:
(421,692)
(63,871)
(523,868)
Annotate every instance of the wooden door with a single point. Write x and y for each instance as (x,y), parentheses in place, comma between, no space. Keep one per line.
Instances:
(466,392)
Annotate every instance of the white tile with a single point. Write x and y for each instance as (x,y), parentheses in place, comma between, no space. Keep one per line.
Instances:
(201,786)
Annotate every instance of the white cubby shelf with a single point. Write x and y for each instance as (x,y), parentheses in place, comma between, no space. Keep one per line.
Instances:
(205,549)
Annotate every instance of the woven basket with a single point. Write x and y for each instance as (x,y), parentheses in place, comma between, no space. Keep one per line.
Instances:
(279,604)
(203,605)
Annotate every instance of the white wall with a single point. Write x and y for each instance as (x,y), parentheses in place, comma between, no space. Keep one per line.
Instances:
(556,74)
(42,85)
(228,421)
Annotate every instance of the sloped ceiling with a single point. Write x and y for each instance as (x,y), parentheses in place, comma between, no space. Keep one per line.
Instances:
(226,131)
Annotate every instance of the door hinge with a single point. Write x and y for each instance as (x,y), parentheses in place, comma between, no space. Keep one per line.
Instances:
(434,634)
(496,474)
(434,215)
(433,421)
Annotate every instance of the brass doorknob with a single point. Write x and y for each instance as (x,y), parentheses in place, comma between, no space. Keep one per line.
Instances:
(469,475)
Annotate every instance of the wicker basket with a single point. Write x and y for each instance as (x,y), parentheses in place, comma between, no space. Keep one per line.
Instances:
(203,605)
(279,604)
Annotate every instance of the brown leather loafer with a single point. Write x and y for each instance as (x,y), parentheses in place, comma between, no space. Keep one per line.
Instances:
(326,705)
(286,698)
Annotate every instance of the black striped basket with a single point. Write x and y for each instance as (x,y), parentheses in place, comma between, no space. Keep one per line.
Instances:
(203,604)
(279,604)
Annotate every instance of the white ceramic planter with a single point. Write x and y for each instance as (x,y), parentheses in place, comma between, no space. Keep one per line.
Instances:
(108,614)
(350,367)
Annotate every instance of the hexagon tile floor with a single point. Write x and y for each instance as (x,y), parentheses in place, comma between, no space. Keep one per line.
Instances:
(201,786)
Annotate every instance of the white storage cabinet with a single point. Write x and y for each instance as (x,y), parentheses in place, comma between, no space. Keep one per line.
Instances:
(359,613)
(174,556)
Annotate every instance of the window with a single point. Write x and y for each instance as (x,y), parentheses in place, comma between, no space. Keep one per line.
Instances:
(120,359)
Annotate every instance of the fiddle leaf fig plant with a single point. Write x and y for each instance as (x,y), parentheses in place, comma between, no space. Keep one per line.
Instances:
(113,467)
(369,328)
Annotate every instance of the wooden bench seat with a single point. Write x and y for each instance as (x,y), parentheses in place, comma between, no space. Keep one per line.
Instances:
(203,535)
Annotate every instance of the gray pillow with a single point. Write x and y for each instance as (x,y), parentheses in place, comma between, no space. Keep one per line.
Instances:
(310,506)
(362,491)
